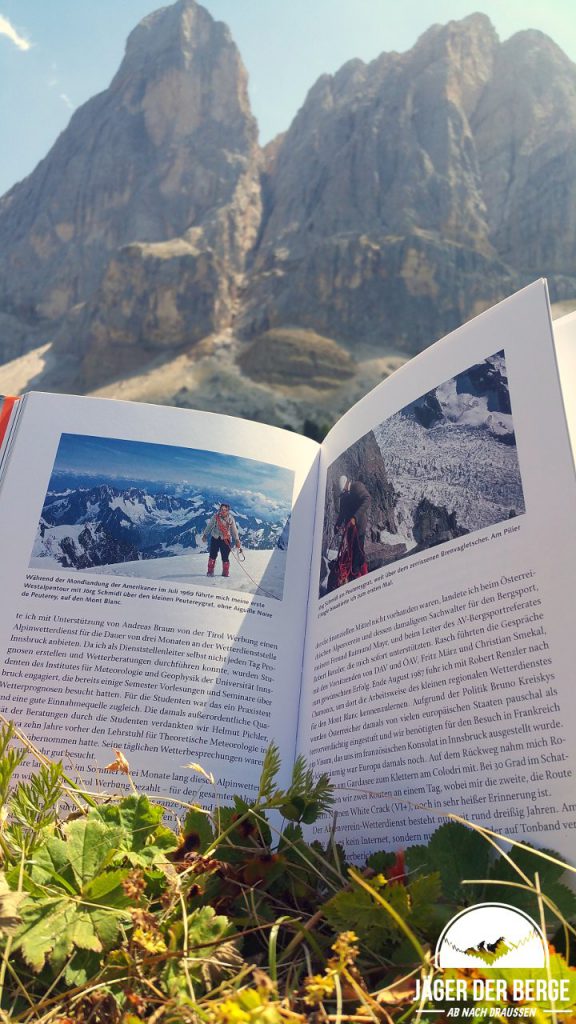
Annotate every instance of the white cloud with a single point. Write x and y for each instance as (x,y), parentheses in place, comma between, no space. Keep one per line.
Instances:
(258,502)
(67,101)
(6,29)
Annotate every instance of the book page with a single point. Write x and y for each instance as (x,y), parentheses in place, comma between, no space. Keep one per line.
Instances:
(565,342)
(112,635)
(439,660)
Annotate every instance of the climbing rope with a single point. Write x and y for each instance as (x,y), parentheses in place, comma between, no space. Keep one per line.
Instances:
(238,553)
(251,578)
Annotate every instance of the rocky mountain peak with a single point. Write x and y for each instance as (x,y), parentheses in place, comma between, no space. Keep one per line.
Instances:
(166,156)
(475,29)
(408,194)
(461,54)
(179,26)
(405,184)
(185,38)
(184,73)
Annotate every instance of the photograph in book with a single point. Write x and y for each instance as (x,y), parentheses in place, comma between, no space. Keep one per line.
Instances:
(443,466)
(163,512)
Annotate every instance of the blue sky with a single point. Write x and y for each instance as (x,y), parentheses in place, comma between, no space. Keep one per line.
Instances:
(111,459)
(55,54)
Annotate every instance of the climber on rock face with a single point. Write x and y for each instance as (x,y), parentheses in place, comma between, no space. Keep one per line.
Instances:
(222,530)
(352,523)
(354,504)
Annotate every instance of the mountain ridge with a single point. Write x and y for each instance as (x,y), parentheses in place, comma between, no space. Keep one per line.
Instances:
(409,193)
(104,524)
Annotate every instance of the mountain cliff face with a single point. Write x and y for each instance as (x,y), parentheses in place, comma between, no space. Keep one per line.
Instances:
(146,205)
(412,192)
(363,461)
(408,194)
(524,127)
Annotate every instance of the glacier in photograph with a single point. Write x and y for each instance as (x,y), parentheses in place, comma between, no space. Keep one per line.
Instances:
(454,448)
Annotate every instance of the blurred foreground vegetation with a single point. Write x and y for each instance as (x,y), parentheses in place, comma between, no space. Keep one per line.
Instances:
(116,910)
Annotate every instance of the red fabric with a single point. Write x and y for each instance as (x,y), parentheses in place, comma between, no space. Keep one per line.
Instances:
(223,527)
(5,412)
(397,871)
(350,540)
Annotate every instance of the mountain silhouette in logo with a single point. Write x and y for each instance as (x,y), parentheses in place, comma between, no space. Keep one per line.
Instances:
(488,952)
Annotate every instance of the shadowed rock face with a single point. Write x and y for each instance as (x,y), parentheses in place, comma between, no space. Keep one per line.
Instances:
(434,525)
(408,195)
(362,461)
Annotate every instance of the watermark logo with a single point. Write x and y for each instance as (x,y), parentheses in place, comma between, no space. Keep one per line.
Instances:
(491,935)
(492,960)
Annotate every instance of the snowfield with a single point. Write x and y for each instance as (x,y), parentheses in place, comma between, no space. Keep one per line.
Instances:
(261,573)
(47,545)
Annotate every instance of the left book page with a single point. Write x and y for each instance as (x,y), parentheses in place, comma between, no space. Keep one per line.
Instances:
(111,633)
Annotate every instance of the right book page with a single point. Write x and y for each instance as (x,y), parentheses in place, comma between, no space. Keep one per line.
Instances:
(565,343)
(439,664)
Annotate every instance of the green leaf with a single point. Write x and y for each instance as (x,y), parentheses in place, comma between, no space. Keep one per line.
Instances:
(163,842)
(105,923)
(270,769)
(424,892)
(82,967)
(356,911)
(83,934)
(33,803)
(549,874)
(305,800)
(44,923)
(418,859)
(300,808)
(205,927)
(290,835)
(29,886)
(90,842)
(53,927)
(107,889)
(380,861)
(137,818)
(198,824)
(206,931)
(531,861)
(458,852)
(51,863)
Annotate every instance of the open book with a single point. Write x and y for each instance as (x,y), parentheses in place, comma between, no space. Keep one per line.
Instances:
(400,608)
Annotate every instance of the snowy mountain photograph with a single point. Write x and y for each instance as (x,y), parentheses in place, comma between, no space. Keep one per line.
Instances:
(131,508)
(443,466)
